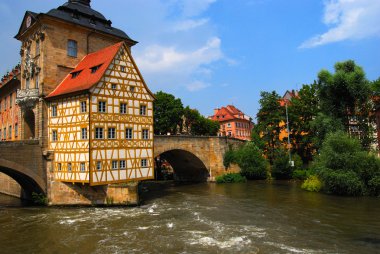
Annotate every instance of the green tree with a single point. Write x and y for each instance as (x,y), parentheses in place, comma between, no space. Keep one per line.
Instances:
(204,127)
(345,95)
(269,118)
(345,168)
(251,161)
(168,112)
(281,168)
(302,110)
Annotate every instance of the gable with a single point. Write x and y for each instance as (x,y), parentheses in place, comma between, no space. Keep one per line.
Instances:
(124,72)
(29,19)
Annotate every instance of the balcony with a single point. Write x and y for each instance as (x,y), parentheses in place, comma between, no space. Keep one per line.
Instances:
(26,98)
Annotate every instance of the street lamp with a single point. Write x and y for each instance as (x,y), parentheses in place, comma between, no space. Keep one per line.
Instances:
(287,127)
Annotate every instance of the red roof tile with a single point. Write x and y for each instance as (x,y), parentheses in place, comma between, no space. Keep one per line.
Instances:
(229,113)
(85,80)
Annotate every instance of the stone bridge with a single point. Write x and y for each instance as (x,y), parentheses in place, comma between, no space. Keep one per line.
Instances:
(195,158)
(23,161)
(192,158)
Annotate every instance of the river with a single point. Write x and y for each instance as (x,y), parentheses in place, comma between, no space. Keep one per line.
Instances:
(255,217)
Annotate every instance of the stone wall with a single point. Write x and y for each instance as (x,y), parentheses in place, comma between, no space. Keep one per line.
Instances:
(83,194)
(9,186)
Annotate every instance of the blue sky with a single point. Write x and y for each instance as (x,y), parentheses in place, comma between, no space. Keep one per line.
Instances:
(211,53)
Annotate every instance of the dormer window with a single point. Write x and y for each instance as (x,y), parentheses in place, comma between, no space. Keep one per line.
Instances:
(75,74)
(95,68)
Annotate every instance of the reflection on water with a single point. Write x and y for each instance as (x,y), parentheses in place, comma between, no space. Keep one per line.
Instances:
(255,217)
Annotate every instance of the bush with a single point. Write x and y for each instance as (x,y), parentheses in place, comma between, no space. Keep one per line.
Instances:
(300,174)
(39,198)
(231,178)
(251,162)
(374,186)
(345,168)
(228,158)
(312,183)
(342,183)
(281,168)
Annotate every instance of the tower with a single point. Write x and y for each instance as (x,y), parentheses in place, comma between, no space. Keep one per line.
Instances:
(53,43)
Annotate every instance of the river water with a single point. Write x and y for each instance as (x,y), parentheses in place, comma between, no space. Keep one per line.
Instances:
(255,217)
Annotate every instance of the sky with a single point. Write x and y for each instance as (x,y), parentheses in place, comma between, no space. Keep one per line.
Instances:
(211,53)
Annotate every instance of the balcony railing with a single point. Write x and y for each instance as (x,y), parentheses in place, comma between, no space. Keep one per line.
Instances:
(27,97)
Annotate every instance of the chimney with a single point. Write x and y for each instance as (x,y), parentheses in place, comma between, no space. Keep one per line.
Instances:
(216,111)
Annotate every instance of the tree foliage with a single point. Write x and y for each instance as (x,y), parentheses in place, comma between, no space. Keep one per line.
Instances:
(281,168)
(346,95)
(269,118)
(345,168)
(168,112)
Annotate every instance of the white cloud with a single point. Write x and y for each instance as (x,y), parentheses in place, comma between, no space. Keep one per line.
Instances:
(192,8)
(189,24)
(172,61)
(348,19)
(197,85)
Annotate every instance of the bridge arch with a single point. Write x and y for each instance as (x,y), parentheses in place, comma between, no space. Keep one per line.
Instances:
(187,166)
(29,181)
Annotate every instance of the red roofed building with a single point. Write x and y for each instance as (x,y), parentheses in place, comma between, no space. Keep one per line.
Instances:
(233,122)
(101,121)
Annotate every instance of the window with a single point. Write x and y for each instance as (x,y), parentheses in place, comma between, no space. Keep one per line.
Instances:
(84,133)
(37,47)
(69,167)
(128,133)
(0,135)
(145,134)
(98,165)
(99,133)
(123,108)
(75,74)
(10,100)
(72,48)
(144,163)
(27,84)
(132,89)
(229,125)
(10,131)
(59,166)
(5,133)
(82,166)
(102,106)
(54,110)
(111,133)
(83,106)
(37,81)
(113,86)
(16,130)
(95,68)
(1,104)
(122,68)
(54,135)
(114,165)
(142,110)
(122,164)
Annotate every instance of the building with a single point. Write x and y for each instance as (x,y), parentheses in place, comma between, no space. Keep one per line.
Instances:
(77,73)
(285,101)
(9,110)
(101,121)
(233,122)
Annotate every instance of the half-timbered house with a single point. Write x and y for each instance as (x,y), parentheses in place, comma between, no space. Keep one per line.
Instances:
(101,121)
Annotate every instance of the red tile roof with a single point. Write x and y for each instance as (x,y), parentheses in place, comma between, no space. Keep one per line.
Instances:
(85,80)
(228,113)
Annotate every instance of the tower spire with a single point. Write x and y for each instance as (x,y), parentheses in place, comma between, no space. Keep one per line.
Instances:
(84,2)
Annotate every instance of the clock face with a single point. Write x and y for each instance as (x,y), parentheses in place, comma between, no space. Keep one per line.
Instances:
(28,21)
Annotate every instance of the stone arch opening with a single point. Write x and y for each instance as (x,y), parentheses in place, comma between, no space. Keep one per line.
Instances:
(29,126)
(187,166)
(28,181)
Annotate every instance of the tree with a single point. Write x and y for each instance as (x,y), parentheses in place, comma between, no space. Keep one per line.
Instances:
(251,161)
(345,95)
(281,168)
(196,124)
(168,113)
(302,110)
(345,168)
(270,119)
